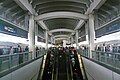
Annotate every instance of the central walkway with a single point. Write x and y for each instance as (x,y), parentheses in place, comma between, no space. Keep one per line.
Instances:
(62,72)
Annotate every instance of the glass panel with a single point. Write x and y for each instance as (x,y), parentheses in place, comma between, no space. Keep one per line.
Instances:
(14,60)
(4,63)
(107,58)
(9,61)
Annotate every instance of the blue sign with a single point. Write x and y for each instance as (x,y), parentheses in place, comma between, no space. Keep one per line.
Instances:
(113,27)
(108,29)
(10,29)
(7,28)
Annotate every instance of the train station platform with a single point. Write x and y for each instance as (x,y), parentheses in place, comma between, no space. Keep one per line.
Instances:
(61,26)
(60,64)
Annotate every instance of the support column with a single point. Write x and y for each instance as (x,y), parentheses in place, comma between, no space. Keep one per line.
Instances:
(26,21)
(36,29)
(77,45)
(46,39)
(86,31)
(51,40)
(91,34)
(54,40)
(32,37)
(71,40)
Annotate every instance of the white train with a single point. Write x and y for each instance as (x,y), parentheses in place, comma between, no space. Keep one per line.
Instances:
(5,47)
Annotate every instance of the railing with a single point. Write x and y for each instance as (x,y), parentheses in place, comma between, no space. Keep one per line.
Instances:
(81,65)
(84,52)
(7,62)
(108,58)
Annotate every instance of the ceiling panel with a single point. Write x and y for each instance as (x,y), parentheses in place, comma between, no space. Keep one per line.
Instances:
(61,23)
(11,11)
(61,33)
(108,11)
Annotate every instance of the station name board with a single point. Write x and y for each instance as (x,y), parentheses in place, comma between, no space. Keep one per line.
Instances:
(10,29)
(108,29)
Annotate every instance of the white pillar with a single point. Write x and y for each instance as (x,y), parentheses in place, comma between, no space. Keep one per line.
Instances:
(86,31)
(77,46)
(54,40)
(71,40)
(36,29)
(51,39)
(26,21)
(46,39)
(91,34)
(32,36)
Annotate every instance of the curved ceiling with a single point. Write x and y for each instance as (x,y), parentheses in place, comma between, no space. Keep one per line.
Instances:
(12,12)
(58,14)
(107,12)
(57,23)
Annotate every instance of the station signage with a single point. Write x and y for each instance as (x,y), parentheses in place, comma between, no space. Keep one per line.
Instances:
(83,38)
(113,27)
(108,29)
(39,39)
(82,34)
(10,29)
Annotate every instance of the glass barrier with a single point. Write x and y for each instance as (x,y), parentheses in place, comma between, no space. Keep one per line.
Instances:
(40,53)
(10,61)
(84,52)
(107,58)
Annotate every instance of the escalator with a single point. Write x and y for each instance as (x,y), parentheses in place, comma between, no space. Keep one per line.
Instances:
(59,66)
(46,68)
(62,69)
(77,66)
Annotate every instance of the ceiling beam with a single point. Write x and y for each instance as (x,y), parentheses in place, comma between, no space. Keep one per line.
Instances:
(61,36)
(25,5)
(52,15)
(102,15)
(42,24)
(111,6)
(96,4)
(53,7)
(37,2)
(59,30)
(108,12)
(80,24)
(8,11)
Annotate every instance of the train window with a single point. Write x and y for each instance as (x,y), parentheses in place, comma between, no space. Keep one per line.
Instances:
(4,51)
(1,51)
(15,50)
